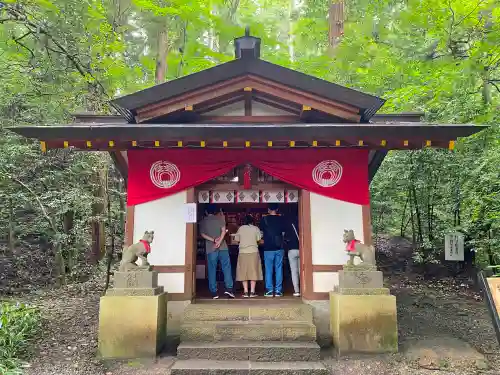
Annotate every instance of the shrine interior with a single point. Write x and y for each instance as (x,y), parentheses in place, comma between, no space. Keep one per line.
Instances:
(235,215)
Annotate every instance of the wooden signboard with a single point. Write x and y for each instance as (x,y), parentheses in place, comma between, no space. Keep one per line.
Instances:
(454,246)
(494,284)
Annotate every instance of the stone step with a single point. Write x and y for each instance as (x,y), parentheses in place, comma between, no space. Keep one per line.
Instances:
(264,330)
(248,310)
(205,367)
(250,351)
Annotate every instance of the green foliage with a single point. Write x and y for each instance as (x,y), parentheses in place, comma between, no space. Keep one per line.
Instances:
(19,324)
(439,57)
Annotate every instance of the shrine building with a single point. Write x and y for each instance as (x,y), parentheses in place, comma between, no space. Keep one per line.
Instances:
(241,135)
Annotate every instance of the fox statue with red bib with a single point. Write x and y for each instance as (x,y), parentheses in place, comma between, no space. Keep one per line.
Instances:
(139,250)
(354,248)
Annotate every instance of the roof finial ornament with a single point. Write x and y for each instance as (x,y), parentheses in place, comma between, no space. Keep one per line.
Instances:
(247,31)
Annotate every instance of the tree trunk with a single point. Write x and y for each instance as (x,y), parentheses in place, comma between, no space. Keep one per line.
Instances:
(122,206)
(12,233)
(68,219)
(291,37)
(60,264)
(403,226)
(98,210)
(413,236)
(161,57)
(111,249)
(335,23)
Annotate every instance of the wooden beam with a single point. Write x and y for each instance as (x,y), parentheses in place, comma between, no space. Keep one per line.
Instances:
(216,105)
(277,104)
(249,119)
(208,93)
(120,163)
(288,93)
(248,101)
(327,267)
(237,86)
(320,105)
(305,112)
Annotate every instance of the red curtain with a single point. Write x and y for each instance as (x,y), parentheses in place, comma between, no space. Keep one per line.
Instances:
(336,173)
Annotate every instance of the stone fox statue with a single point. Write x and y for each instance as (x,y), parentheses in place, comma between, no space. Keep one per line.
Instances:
(355,248)
(139,250)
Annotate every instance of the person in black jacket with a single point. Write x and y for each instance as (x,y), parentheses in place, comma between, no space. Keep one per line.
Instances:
(273,228)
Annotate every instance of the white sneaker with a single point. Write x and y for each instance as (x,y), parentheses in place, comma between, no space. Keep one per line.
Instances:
(296,294)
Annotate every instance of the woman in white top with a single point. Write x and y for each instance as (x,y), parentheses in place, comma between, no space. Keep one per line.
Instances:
(249,267)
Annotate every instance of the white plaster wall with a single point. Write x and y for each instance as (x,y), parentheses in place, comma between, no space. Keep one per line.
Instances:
(166,217)
(329,218)
(238,109)
(235,109)
(259,109)
(324,282)
(172,282)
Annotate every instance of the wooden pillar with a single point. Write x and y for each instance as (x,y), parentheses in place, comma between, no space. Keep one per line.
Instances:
(306,268)
(129,226)
(190,260)
(367,225)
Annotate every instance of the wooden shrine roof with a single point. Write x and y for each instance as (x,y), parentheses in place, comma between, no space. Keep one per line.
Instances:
(120,136)
(367,105)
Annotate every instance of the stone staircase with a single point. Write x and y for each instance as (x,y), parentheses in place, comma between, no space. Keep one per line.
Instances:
(248,337)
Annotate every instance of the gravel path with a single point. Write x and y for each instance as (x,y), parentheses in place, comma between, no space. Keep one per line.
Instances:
(452,311)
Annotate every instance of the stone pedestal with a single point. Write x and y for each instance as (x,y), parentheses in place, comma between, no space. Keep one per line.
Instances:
(132,317)
(363,313)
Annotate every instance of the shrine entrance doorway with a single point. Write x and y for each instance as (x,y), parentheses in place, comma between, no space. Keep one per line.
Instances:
(236,202)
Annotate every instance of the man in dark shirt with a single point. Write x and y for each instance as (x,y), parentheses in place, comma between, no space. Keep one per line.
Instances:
(272,227)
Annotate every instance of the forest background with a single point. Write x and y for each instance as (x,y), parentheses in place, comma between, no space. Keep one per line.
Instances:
(60,212)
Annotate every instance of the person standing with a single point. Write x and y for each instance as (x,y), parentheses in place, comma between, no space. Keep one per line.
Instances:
(292,241)
(249,267)
(272,227)
(213,230)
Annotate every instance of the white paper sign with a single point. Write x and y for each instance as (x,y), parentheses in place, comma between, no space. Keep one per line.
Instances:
(190,212)
(454,246)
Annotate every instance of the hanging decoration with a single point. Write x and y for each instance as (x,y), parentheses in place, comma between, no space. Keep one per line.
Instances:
(336,173)
(247,177)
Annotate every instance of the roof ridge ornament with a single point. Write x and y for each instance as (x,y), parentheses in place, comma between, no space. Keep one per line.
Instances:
(247,46)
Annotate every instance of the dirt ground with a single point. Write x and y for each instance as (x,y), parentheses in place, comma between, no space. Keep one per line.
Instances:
(444,327)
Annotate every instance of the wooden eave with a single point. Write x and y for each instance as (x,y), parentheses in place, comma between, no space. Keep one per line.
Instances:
(110,137)
(265,78)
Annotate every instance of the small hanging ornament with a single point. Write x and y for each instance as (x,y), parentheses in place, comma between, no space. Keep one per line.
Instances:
(247,177)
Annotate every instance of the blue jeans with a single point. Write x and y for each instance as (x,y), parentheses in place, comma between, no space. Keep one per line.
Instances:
(273,261)
(225,262)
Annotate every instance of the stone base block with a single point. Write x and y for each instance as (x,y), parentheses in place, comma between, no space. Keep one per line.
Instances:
(361,279)
(211,367)
(363,323)
(134,291)
(136,279)
(363,291)
(132,326)
(213,331)
(250,351)
(359,267)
